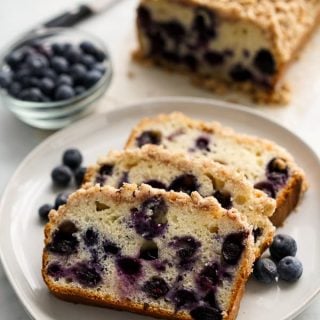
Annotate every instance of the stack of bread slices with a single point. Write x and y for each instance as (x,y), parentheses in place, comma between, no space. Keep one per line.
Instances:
(171,226)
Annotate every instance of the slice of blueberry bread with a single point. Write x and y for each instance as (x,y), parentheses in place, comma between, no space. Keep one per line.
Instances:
(166,170)
(149,251)
(266,165)
(245,44)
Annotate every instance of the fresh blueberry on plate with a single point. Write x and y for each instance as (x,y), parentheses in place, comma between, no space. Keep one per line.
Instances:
(290,269)
(265,270)
(61,176)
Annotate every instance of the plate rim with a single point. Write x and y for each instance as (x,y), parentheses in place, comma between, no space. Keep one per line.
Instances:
(151,102)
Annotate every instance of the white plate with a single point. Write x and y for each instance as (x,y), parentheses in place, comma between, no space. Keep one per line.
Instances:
(21,233)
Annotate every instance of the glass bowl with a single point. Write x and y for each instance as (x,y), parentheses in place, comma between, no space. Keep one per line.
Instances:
(57,114)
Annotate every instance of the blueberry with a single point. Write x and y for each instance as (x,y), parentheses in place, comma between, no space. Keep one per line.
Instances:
(205,313)
(157,43)
(150,221)
(61,176)
(214,58)
(106,169)
(144,17)
(233,246)
(88,47)
(49,73)
(79,90)
(239,73)
(86,275)
(58,48)
(277,172)
(46,85)
(55,270)
(44,211)
(88,60)
(100,55)
(15,58)
(171,56)
(78,72)
(283,245)
(224,198)
(64,92)
(37,62)
(91,237)
(202,143)
(123,179)
(264,62)
(61,199)
(149,251)
(79,175)
(204,25)
(265,270)
(290,269)
(99,67)
(186,183)
(92,77)
(156,184)
(31,94)
(257,233)
(72,158)
(149,137)
(59,64)
(15,89)
(64,79)
(5,79)
(184,299)
(191,61)
(186,247)
(129,266)
(110,247)
(174,30)
(210,298)
(155,288)
(267,187)
(22,75)
(63,240)
(209,276)
(73,55)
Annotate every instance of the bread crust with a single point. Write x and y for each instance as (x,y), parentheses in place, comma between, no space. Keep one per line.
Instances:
(131,192)
(287,198)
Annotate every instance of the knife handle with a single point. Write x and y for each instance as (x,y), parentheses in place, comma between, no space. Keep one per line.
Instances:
(69,19)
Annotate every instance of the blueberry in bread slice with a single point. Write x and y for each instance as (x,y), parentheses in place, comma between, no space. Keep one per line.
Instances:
(174,171)
(267,166)
(246,45)
(145,250)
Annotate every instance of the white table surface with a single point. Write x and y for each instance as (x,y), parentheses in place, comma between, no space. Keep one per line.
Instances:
(132,83)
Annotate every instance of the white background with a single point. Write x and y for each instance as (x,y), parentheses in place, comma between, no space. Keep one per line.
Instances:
(132,83)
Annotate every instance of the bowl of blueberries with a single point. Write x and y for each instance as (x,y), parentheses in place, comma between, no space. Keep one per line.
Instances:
(53,76)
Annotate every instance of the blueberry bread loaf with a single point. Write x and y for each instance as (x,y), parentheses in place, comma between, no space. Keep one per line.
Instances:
(166,170)
(266,165)
(247,44)
(144,250)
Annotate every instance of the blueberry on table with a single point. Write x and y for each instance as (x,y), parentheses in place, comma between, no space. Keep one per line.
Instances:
(72,158)
(290,269)
(61,176)
(265,270)
(44,211)
(59,64)
(64,92)
(79,175)
(282,246)
(61,199)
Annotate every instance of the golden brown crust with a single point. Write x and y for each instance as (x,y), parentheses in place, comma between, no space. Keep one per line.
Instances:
(289,196)
(133,193)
